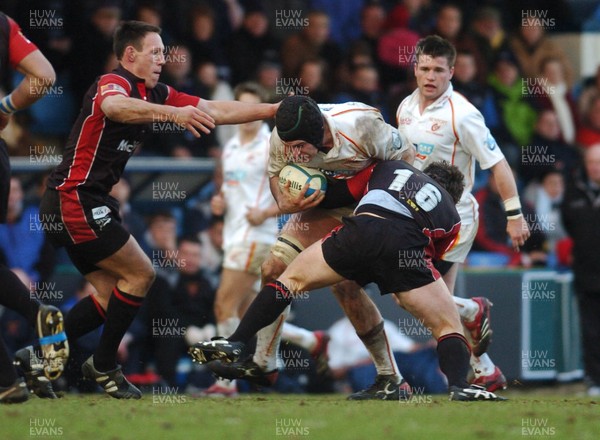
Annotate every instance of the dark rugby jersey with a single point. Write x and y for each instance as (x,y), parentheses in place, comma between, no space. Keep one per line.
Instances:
(14,46)
(98,149)
(395,188)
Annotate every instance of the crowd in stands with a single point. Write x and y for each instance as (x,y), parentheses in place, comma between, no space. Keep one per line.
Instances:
(334,51)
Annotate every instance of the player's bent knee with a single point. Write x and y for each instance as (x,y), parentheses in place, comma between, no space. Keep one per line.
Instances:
(271,269)
(144,277)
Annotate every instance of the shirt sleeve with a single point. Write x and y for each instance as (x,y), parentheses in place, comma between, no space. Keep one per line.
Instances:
(111,85)
(18,45)
(381,140)
(179,99)
(476,138)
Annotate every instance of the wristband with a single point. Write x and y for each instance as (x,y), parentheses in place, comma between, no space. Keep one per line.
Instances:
(512,207)
(513,214)
(6,105)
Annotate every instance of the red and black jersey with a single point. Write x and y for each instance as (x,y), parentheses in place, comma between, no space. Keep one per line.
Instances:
(98,149)
(398,188)
(393,188)
(14,46)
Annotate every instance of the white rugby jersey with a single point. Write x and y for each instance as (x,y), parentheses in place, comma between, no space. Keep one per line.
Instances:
(245,184)
(449,129)
(360,135)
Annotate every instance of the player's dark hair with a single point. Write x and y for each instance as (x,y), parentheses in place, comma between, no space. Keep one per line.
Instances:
(131,33)
(436,46)
(449,177)
(252,88)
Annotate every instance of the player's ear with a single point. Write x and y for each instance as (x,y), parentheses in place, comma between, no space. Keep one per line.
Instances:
(130,54)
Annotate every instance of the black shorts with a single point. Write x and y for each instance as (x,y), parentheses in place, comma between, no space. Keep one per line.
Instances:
(393,253)
(87,224)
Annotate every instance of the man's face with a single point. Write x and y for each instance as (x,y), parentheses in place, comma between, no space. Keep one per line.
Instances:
(148,62)
(299,151)
(465,68)
(433,76)
(190,257)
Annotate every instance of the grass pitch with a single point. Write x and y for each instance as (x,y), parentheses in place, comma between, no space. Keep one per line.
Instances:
(274,416)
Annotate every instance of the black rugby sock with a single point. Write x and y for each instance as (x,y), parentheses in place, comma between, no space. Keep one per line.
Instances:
(16,296)
(454,354)
(264,310)
(122,308)
(8,374)
(85,316)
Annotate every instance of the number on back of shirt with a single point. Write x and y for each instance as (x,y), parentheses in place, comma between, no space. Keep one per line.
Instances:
(427,197)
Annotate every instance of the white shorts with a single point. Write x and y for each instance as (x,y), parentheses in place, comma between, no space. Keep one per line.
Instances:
(463,244)
(246,257)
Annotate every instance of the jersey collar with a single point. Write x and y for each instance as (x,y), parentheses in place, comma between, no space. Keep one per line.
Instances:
(127,74)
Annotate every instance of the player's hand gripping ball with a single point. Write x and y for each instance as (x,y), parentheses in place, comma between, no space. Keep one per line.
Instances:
(298,176)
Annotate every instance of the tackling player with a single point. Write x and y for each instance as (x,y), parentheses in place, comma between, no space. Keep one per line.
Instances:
(340,140)
(404,210)
(442,125)
(115,115)
(21,54)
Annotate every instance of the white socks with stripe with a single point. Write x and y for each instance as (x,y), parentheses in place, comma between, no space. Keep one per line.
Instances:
(267,343)
(299,336)
(467,308)
(381,353)
(482,365)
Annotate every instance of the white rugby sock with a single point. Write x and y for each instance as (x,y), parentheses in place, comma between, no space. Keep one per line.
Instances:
(299,336)
(227,384)
(267,343)
(227,327)
(467,308)
(379,348)
(482,365)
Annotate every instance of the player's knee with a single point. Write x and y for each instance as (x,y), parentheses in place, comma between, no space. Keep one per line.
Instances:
(144,277)
(271,269)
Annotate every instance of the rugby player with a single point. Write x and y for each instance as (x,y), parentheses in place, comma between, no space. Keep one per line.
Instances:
(116,113)
(340,140)
(21,54)
(443,125)
(403,210)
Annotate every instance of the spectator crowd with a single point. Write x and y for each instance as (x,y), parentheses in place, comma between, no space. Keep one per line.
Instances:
(542,116)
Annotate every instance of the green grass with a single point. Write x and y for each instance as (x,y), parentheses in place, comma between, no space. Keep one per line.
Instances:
(301,416)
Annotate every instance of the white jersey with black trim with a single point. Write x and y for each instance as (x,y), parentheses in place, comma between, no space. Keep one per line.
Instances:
(449,129)
(245,184)
(360,135)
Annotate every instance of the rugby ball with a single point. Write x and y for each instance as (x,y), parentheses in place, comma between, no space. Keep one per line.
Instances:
(299,176)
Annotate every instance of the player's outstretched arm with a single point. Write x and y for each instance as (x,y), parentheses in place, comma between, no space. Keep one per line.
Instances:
(128,110)
(517,228)
(39,78)
(235,112)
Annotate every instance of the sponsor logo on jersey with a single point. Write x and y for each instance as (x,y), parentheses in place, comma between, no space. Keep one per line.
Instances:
(491,142)
(396,141)
(424,149)
(102,222)
(405,121)
(100,212)
(128,146)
